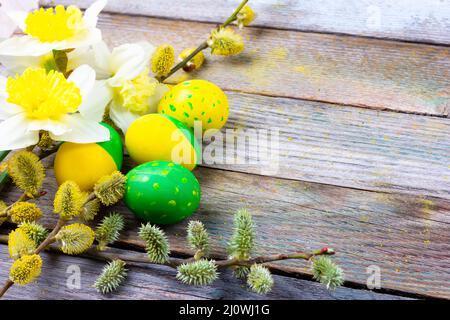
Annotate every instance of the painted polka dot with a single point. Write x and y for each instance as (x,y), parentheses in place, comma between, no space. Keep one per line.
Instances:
(184,180)
(172,203)
(156,186)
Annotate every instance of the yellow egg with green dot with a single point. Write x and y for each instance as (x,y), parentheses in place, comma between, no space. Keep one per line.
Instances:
(160,137)
(86,163)
(162,192)
(196,100)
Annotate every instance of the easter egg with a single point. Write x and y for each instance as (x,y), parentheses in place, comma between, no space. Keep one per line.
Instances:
(86,163)
(160,137)
(196,100)
(162,192)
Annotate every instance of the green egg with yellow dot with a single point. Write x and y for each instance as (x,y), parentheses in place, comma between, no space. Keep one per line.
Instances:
(162,192)
(86,163)
(196,100)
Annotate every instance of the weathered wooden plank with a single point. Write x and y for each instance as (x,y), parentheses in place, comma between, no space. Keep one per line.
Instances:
(406,19)
(343,70)
(152,282)
(345,146)
(407,237)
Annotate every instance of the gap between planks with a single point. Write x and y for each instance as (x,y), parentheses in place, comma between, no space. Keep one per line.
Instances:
(365,228)
(343,70)
(402,20)
(158,282)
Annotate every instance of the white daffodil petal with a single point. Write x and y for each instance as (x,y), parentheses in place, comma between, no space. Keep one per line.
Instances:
(93,106)
(96,56)
(82,130)
(84,39)
(148,48)
(154,100)
(25,46)
(17,65)
(84,78)
(55,127)
(121,117)
(91,13)
(15,134)
(127,62)
(8,110)
(18,17)
(3,81)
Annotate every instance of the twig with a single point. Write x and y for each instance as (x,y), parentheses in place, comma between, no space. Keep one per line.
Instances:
(5,288)
(142,258)
(203,45)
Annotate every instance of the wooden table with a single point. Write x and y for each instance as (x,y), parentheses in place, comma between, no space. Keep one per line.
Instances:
(361,92)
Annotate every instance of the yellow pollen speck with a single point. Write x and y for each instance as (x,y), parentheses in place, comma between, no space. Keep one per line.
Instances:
(156,186)
(172,203)
(50,25)
(43,95)
(134,94)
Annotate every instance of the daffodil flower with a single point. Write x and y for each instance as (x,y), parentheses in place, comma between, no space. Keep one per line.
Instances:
(126,69)
(68,109)
(8,25)
(47,30)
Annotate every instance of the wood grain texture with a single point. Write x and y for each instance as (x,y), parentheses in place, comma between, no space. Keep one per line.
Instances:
(152,282)
(342,70)
(410,20)
(407,237)
(345,146)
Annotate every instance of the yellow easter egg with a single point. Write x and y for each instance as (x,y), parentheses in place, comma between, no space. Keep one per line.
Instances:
(196,100)
(160,137)
(86,163)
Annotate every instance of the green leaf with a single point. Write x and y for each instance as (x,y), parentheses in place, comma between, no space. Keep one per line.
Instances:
(60,59)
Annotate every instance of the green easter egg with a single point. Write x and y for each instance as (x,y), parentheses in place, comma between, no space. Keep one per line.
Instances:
(162,192)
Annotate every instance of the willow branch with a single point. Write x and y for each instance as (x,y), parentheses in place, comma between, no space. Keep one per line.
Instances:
(203,45)
(51,238)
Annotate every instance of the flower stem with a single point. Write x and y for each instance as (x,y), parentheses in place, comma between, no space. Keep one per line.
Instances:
(203,45)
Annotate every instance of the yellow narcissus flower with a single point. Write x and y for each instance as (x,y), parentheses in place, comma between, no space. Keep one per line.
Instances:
(195,63)
(225,42)
(49,29)
(24,212)
(125,70)
(26,269)
(68,109)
